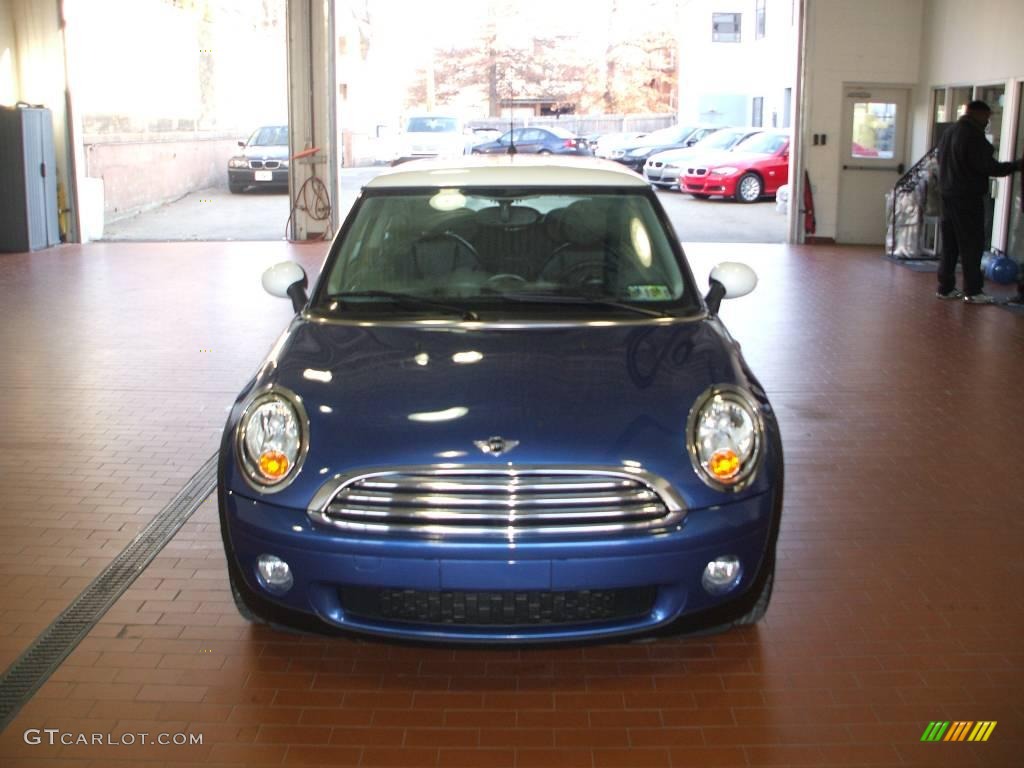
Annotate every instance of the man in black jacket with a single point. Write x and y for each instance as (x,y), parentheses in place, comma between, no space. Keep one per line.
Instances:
(966,161)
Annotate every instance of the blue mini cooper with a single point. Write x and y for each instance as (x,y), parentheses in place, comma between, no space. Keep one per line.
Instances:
(504,413)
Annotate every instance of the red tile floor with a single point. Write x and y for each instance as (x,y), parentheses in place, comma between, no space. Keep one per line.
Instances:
(898,598)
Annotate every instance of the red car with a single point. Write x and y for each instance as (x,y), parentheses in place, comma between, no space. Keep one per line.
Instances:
(754,168)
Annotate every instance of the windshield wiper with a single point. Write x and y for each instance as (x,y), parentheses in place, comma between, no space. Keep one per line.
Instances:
(554,297)
(406,300)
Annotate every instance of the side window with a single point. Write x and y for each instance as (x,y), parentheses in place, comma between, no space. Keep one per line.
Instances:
(725,27)
(533,134)
(874,125)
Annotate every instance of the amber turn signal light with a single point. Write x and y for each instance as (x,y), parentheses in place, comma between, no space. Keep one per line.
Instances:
(273,464)
(724,464)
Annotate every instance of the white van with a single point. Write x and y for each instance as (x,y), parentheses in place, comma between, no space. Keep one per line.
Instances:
(432,135)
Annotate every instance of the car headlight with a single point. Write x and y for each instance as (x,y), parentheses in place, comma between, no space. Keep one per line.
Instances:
(238,162)
(272,439)
(725,435)
(284,164)
(726,170)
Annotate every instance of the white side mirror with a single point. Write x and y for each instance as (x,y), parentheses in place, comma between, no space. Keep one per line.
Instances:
(737,279)
(280,277)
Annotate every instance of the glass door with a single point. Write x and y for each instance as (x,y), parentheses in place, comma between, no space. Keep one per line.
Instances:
(1015,240)
(993,95)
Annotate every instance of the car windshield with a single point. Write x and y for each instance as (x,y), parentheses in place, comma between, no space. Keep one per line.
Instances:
(719,140)
(270,136)
(432,125)
(672,135)
(506,251)
(762,143)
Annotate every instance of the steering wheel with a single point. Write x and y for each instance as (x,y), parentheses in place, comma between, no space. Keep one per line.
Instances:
(505,280)
(585,274)
(460,246)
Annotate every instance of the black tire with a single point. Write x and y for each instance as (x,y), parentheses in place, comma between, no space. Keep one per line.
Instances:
(749,188)
(544,152)
(700,196)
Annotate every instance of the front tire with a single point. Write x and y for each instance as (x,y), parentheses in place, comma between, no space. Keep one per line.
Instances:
(749,188)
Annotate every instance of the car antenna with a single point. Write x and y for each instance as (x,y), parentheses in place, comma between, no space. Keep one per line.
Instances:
(511,121)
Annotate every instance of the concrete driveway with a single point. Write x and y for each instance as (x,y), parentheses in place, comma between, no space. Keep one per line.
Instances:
(216,214)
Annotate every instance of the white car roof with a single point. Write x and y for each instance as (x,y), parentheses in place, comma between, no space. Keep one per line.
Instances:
(508,170)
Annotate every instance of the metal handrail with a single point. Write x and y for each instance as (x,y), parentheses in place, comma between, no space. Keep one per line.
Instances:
(906,183)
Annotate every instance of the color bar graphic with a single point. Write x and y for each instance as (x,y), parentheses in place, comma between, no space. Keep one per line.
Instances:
(958,730)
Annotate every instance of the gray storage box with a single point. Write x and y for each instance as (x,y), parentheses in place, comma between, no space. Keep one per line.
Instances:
(28,180)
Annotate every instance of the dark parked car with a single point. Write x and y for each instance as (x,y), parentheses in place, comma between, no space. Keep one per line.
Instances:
(536,141)
(263,161)
(635,155)
(504,413)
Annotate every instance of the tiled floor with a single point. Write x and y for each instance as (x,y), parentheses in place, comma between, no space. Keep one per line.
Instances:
(898,597)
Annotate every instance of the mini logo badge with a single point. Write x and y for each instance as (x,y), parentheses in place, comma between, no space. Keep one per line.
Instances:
(495,446)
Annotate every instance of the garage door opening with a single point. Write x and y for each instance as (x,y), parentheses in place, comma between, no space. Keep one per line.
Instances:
(183,109)
(635,84)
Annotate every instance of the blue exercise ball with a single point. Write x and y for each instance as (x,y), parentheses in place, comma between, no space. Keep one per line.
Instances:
(1003,270)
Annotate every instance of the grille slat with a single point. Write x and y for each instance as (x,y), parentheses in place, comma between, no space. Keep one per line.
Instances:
(577,515)
(492,498)
(496,501)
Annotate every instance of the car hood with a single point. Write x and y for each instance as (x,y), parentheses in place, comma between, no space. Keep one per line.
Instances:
(268,152)
(732,158)
(390,395)
(674,155)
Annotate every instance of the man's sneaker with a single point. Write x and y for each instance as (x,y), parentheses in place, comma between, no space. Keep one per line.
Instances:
(953,294)
(980,298)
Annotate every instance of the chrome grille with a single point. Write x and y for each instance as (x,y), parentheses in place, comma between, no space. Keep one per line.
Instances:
(697,171)
(497,502)
(268,164)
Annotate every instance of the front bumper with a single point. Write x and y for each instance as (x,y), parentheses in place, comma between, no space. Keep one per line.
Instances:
(666,177)
(245,177)
(355,583)
(633,163)
(707,185)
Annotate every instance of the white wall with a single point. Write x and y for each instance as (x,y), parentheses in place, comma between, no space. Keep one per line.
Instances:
(752,67)
(995,53)
(876,42)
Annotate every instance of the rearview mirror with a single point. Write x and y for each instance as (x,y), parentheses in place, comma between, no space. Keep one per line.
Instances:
(287,280)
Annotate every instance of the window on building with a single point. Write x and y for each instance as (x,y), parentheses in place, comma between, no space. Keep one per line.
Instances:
(725,27)
(759,20)
(757,112)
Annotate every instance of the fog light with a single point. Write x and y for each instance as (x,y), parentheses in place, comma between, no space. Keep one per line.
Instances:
(722,574)
(275,573)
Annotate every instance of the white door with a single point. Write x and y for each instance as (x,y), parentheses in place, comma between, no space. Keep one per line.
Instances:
(872,159)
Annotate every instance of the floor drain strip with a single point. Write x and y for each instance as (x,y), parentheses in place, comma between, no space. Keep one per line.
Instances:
(33,668)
